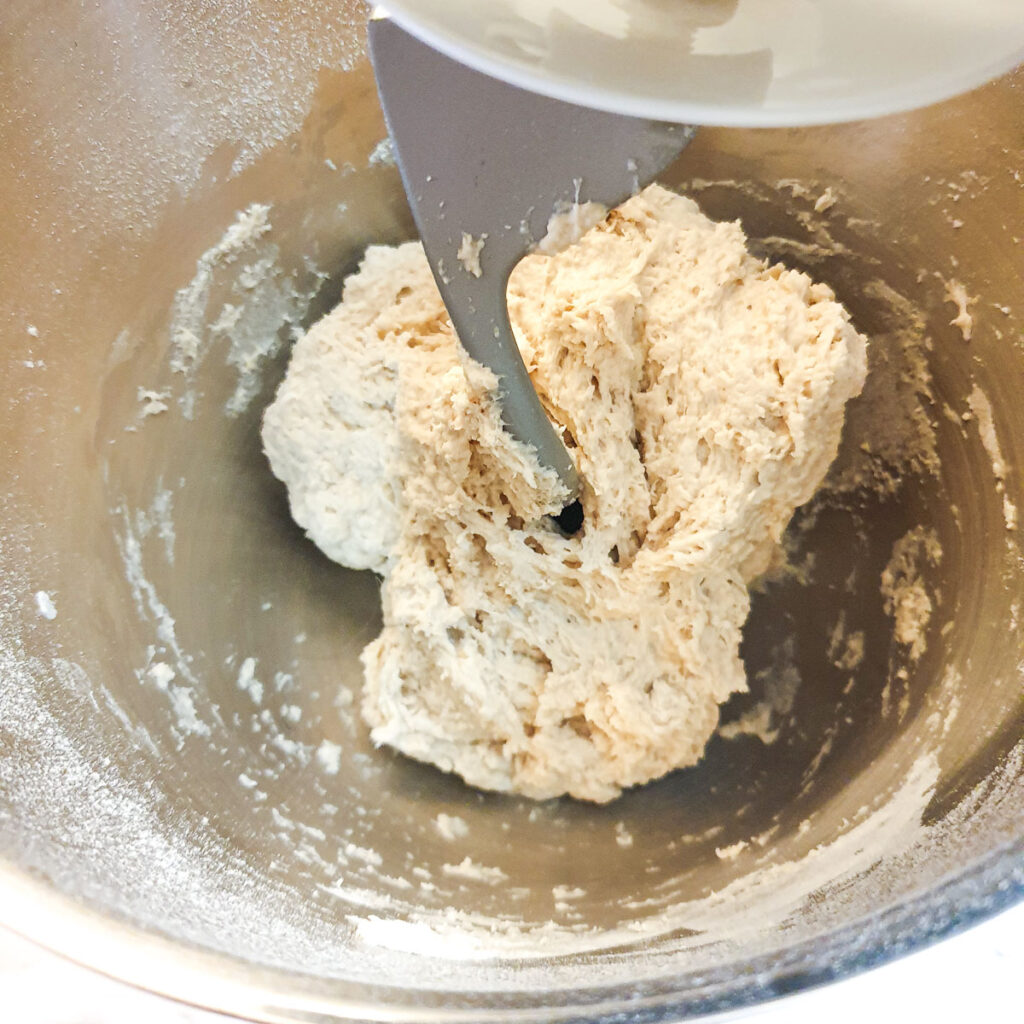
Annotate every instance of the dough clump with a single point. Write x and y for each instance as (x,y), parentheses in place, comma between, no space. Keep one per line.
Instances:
(702,395)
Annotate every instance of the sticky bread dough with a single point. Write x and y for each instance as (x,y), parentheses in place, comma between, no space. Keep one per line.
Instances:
(702,393)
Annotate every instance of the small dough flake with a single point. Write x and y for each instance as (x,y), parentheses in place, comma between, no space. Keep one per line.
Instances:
(45,606)
(468,869)
(451,827)
(153,402)
(956,294)
(469,253)
(328,757)
(702,394)
(825,201)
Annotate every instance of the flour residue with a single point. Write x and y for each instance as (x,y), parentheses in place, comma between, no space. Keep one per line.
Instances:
(908,598)
(242,299)
(189,331)
(147,601)
(769,894)
(845,647)
(779,682)
(981,410)
(168,667)
(894,416)
(233,80)
(755,721)
(564,893)
(158,520)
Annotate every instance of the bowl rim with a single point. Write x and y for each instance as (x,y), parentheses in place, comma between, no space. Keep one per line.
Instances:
(205,978)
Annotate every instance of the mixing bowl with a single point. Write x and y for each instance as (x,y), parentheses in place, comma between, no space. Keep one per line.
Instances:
(188,799)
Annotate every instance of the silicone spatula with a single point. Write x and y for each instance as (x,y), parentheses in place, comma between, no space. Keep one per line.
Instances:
(485,165)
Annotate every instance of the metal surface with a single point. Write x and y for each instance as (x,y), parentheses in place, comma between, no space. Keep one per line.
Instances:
(190,838)
(479,157)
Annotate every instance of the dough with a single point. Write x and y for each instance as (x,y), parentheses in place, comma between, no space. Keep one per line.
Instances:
(702,395)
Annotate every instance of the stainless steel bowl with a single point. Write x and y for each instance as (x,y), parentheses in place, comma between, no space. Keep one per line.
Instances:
(187,803)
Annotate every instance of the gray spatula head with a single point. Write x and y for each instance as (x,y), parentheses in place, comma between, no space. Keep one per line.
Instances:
(485,159)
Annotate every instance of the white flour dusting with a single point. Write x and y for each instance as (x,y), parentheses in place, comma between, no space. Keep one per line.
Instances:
(363,854)
(184,707)
(168,666)
(232,78)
